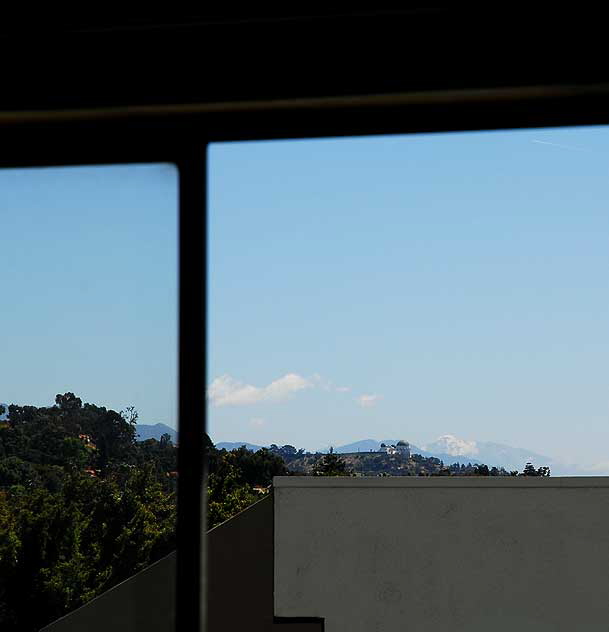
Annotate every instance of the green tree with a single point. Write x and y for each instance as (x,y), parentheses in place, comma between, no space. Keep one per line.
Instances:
(16,471)
(529,470)
(332,465)
(67,536)
(227,494)
(74,454)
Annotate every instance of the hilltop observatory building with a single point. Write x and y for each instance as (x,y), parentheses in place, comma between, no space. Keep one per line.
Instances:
(401,448)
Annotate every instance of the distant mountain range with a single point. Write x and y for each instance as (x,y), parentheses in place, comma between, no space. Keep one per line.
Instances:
(448,448)
(497,453)
(155,431)
(144,431)
(368,445)
(235,445)
(451,449)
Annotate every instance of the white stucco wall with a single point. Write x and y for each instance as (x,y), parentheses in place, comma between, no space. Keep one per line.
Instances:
(476,554)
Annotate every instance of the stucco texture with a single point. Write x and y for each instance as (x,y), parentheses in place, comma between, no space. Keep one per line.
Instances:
(379,555)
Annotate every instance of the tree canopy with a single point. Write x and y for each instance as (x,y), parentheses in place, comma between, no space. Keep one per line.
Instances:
(84,505)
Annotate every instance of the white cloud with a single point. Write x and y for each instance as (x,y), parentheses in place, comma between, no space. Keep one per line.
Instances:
(226,391)
(328,385)
(367,401)
(320,382)
(257,422)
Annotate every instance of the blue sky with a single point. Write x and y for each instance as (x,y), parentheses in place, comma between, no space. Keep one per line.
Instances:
(89,280)
(457,282)
(382,287)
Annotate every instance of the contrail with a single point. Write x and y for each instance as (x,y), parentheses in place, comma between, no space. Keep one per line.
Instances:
(545,142)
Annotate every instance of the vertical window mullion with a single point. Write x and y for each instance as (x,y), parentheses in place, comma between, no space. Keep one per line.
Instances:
(190,574)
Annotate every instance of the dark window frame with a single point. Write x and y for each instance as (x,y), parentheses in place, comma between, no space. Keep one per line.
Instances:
(180,135)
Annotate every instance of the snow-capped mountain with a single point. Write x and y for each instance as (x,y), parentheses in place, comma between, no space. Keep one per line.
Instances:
(499,455)
(449,444)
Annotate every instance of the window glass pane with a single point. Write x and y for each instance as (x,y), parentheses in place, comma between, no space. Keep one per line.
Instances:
(88,383)
(447,290)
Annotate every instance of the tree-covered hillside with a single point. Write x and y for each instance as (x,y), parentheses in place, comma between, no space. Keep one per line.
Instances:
(84,505)
(383,464)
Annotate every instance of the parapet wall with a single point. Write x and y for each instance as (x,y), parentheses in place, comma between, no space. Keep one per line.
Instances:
(476,554)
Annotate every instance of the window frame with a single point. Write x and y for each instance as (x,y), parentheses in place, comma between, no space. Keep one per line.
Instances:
(181,135)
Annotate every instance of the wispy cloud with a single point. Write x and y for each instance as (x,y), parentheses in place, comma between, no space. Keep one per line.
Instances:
(227,391)
(367,401)
(328,385)
(257,422)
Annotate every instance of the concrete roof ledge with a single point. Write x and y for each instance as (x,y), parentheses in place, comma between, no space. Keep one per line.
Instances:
(426,482)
